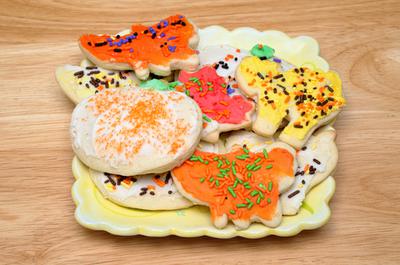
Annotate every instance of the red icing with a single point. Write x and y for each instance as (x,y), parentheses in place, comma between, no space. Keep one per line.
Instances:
(171,41)
(215,103)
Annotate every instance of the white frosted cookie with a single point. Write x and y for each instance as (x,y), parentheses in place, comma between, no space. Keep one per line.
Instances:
(247,138)
(80,82)
(316,161)
(132,131)
(242,185)
(161,48)
(148,192)
(225,59)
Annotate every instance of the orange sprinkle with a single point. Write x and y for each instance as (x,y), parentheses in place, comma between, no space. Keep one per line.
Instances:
(159,182)
(223,103)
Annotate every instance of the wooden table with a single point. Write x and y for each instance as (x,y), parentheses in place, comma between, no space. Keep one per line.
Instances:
(360,39)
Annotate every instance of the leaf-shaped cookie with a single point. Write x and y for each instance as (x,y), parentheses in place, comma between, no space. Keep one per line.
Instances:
(242,186)
(160,48)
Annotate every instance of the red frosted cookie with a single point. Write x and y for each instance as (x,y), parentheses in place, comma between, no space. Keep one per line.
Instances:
(221,111)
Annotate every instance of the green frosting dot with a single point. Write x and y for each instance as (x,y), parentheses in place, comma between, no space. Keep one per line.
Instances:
(159,85)
(260,51)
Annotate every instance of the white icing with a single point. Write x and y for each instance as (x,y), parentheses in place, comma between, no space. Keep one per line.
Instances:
(94,129)
(316,148)
(135,188)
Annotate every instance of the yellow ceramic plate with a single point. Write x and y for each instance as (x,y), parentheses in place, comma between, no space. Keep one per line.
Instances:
(97,213)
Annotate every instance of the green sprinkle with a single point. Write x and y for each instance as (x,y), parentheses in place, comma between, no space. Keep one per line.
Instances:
(241,205)
(254,193)
(242,157)
(245,150)
(247,187)
(209,83)
(269,200)
(235,183)
(200,89)
(195,79)
(258,200)
(250,166)
(232,192)
(270,186)
(194,158)
(187,92)
(205,162)
(239,180)
(233,168)
(202,180)
(256,168)
(248,200)
(206,118)
(250,205)
(257,160)
(223,85)
(220,175)
(249,174)
(269,166)
(261,195)
(217,183)
(211,179)
(200,159)
(227,162)
(216,158)
(232,211)
(265,153)
(210,89)
(262,186)
(219,164)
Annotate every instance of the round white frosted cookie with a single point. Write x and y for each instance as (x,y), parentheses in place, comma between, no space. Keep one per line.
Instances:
(80,82)
(132,131)
(148,192)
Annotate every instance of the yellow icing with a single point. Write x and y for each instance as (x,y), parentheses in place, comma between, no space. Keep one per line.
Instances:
(279,92)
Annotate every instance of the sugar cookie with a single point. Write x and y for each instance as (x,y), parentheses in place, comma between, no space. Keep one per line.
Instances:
(134,131)
(242,186)
(221,112)
(307,98)
(160,48)
(316,161)
(80,82)
(148,192)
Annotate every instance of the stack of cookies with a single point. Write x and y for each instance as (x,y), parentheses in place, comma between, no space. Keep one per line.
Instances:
(164,126)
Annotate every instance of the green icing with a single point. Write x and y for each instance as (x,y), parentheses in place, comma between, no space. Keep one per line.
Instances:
(159,85)
(262,51)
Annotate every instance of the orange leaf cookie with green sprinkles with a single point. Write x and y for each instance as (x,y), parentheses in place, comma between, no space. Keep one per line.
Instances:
(222,111)
(307,98)
(133,131)
(242,185)
(160,48)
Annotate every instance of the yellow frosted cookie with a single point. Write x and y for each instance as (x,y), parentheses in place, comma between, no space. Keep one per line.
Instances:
(306,98)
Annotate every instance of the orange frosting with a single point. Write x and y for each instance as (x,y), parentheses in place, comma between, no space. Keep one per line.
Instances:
(240,184)
(157,44)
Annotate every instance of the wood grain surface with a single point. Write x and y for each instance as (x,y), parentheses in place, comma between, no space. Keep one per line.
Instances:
(360,40)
